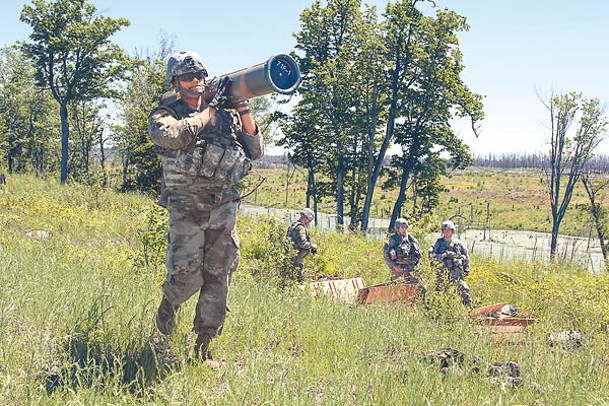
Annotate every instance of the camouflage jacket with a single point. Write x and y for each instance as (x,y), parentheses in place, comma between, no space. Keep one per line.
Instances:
(299,235)
(403,251)
(195,157)
(457,254)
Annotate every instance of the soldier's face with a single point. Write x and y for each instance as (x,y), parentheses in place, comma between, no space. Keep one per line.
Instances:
(402,230)
(447,233)
(192,81)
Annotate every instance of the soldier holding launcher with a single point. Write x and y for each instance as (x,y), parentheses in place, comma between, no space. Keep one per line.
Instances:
(206,150)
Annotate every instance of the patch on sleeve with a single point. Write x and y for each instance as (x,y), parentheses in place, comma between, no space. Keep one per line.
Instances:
(160,113)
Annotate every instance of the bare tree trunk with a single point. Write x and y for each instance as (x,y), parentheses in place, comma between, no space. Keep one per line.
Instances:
(312,192)
(370,179)
(554,239)
(102,159)
(340,190)
(381,156)
(397,207)
(65,134)
(287,182)
(126,171)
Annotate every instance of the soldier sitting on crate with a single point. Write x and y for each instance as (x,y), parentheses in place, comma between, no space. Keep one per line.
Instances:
(450,255)
(402,253)
(298,234)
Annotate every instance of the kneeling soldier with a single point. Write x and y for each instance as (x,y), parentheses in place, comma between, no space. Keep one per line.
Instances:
(451,255)
(402,253)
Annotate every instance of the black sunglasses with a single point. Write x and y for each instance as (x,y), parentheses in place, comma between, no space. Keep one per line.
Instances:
(190,76)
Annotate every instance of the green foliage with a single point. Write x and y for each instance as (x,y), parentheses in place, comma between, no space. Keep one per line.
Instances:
(427,92)
(142,166)
(151,238)
(28,125)
(70,45)
(266,251)
(74,58)
(87,125)
(332,128)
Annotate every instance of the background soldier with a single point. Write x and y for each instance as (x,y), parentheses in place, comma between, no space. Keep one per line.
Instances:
(451,255)
(402,253)
(298,233)
(206,150)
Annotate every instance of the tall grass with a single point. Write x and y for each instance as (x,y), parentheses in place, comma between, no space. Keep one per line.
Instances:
(77,304)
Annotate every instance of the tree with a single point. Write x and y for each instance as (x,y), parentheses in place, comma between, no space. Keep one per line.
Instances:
(142,167)
(27,139)
(431,92)
(75,59)
(306,151)
(398,37)
(569,150)
(423,93)
(369,85)
(372,107)
(89,126)
(331,40)
(600,214)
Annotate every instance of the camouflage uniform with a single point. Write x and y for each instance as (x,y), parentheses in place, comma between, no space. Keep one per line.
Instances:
(201,165)
(403,252)
(301,241)
(457,264)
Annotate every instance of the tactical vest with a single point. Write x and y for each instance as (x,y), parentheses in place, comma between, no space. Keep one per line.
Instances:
(451,262)
(293,234)
(404,248)
(214,155)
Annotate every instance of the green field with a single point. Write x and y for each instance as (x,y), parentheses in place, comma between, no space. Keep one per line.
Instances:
(516,198)
(81,270)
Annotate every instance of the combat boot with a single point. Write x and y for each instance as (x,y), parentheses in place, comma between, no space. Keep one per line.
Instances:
(202,350)
(467,300)
(166,317)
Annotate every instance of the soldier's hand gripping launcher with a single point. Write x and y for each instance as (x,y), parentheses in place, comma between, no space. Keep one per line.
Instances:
(279,74)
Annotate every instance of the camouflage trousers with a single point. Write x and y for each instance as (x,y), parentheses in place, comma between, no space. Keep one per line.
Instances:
(202,253)
(298,264)
(455,276)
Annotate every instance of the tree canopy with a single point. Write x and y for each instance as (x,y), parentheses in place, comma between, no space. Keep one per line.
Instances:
(74,58)
(371,84)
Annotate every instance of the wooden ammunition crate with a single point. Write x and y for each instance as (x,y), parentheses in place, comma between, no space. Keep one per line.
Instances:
(509,328)
(346,290)
(389,293)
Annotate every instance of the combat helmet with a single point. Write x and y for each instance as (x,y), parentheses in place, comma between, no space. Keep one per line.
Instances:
(448,225)
(308,213)
(401,222)
(184,62)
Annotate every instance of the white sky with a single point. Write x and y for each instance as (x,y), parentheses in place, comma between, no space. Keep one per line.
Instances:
(514,50)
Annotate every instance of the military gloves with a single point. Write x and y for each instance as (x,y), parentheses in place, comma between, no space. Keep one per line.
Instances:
(221,95)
